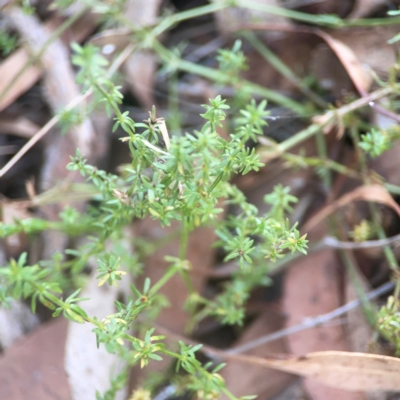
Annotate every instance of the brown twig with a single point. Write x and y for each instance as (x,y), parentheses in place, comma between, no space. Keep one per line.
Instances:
(53,121)
(311,322)
(308,323)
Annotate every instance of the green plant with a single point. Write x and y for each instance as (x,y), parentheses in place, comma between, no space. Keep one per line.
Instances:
(188,181)
(7,42)
(184,180)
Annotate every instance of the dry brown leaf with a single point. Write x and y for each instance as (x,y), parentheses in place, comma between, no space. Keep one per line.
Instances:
(200,254)
(60,89)
(360,78)
(140,67)
(8,71)
(320,294)
(59,80)
(330,72)
(233,19)
(14,63)
(15,321)
(374,193)
(311,288)
(341,8)
(254,379)
(341,369)
(33,367)
(11,210)
(20,127)
(359,331)
(117,38)
(369,50)
(364,8)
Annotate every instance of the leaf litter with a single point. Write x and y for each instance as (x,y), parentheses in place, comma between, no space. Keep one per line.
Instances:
(311,285)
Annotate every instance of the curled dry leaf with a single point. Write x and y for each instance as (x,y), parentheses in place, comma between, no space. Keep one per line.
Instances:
(33,367)
(344,370)
(370,48)
(359,76)
(322,294)
(118,39)
(8,71)
(374,193)
(340,369)
(253,378)
(21,126)
(363,8)
(15,63)
(11,211)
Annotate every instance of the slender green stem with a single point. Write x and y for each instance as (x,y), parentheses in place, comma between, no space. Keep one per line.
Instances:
(218,76)
(324,20)
(282,68)
(373,21)
(327,118)
(329,20)
(387,251)
(184,240)
(298,138)
(174,117)
(163,280)
(323,153)
(168,22)
(215,183)
(228,394)
(354,275)
(182,255)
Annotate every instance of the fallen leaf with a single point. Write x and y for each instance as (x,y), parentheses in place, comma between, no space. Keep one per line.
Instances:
(329,71)
(359,331)
(374,193)
(8,71)
(59,79)
(15,322)
(253,378)
(233,19)
(21,126)
(341,8)
(363,8)
(340,369)
(10,211)
(118,39)
(14,63)
(199,253)
(140,67)
(33,367)
(311,288)
(360,77)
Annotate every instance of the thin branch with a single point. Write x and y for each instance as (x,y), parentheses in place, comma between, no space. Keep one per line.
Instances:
(310,322)
(307,324)
(53,121)
(332,242)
